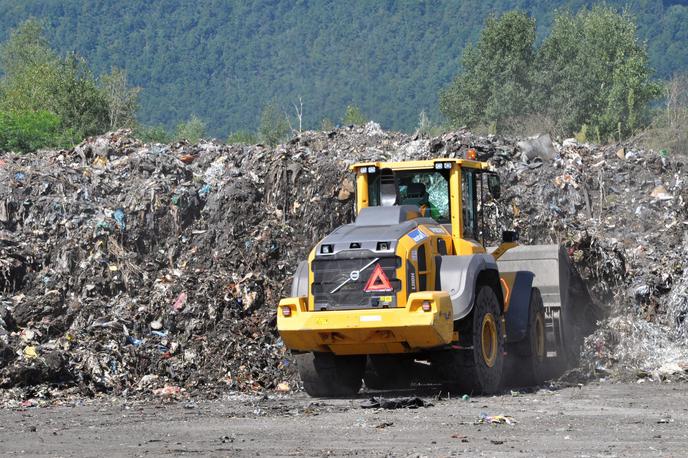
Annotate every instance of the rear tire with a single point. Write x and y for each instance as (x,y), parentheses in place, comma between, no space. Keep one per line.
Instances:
(388,372)
(530,355)
(329,375)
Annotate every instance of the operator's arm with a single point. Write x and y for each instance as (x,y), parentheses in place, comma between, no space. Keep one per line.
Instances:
(429,210)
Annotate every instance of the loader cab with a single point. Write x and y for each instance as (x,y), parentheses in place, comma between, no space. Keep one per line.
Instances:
(426,189)
(449,191)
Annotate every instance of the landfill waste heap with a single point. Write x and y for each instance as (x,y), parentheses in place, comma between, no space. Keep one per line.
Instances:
(130,268)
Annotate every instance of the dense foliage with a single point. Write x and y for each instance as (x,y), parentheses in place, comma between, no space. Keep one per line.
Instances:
(46,100)
(274,125)
(29,130)
(496,82)
(668,132)
(225,61)
(590,72)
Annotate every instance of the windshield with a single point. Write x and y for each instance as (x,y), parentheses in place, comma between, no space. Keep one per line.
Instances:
(428,189)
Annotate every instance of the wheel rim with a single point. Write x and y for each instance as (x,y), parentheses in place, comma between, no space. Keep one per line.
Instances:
(489,340)
(540,336)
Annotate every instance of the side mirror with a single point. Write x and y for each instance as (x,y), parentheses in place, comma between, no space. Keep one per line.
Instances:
(493,185)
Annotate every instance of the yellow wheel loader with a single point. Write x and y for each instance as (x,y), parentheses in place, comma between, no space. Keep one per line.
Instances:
(408,281)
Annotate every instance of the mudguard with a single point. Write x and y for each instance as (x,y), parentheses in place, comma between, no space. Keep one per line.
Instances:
(299,284)
(457,275)
(518,312)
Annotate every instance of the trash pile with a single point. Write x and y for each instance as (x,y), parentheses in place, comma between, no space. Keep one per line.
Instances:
(132,268)
(621,211)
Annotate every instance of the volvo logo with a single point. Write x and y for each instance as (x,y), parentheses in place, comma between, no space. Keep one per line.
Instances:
(354,275)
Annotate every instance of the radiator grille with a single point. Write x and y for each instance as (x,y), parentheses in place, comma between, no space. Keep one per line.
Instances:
(330,273)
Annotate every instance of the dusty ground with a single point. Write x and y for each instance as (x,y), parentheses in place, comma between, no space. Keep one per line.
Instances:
(593,420)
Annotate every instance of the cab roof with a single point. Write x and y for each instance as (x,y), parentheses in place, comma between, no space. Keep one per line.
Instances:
(426,164)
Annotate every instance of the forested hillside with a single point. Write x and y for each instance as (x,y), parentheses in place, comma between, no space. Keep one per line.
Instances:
(224,61)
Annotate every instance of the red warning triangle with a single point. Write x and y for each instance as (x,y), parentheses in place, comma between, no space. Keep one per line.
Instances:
(378,281)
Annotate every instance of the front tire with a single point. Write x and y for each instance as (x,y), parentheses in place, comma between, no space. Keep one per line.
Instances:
(479,366)
(488,341)
(327,375)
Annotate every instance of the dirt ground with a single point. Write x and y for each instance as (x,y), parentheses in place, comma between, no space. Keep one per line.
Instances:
(600,419)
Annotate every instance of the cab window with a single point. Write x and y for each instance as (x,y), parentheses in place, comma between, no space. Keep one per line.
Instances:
(428,189)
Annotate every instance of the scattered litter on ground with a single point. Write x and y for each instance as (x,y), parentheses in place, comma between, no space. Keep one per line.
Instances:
(168,391)
(283,387)
(495,420)
(384,424)
(410,402)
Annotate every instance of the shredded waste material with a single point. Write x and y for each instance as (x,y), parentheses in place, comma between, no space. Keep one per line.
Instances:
(407,402)
(128,268)
(486,419)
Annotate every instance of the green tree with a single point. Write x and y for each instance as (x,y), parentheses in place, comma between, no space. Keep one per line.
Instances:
(78,100)
(590,70)
(207,64)
(30,70)
(28,130)
(122,100)
(353,116)
(242,137)
(495,83)
(274,125)
(192,130)
(594,71)
(152,134)
(669,128)
(26,47)
(35,79)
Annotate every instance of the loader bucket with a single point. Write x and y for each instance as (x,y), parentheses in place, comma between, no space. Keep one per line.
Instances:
(570,313)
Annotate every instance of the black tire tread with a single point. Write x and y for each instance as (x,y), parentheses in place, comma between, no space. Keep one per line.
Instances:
(328,375)
(464,369)
(525,368)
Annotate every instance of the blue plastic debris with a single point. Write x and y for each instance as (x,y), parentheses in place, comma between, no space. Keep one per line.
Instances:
(134,341)
(204,191)
(104,226)
(120,219)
